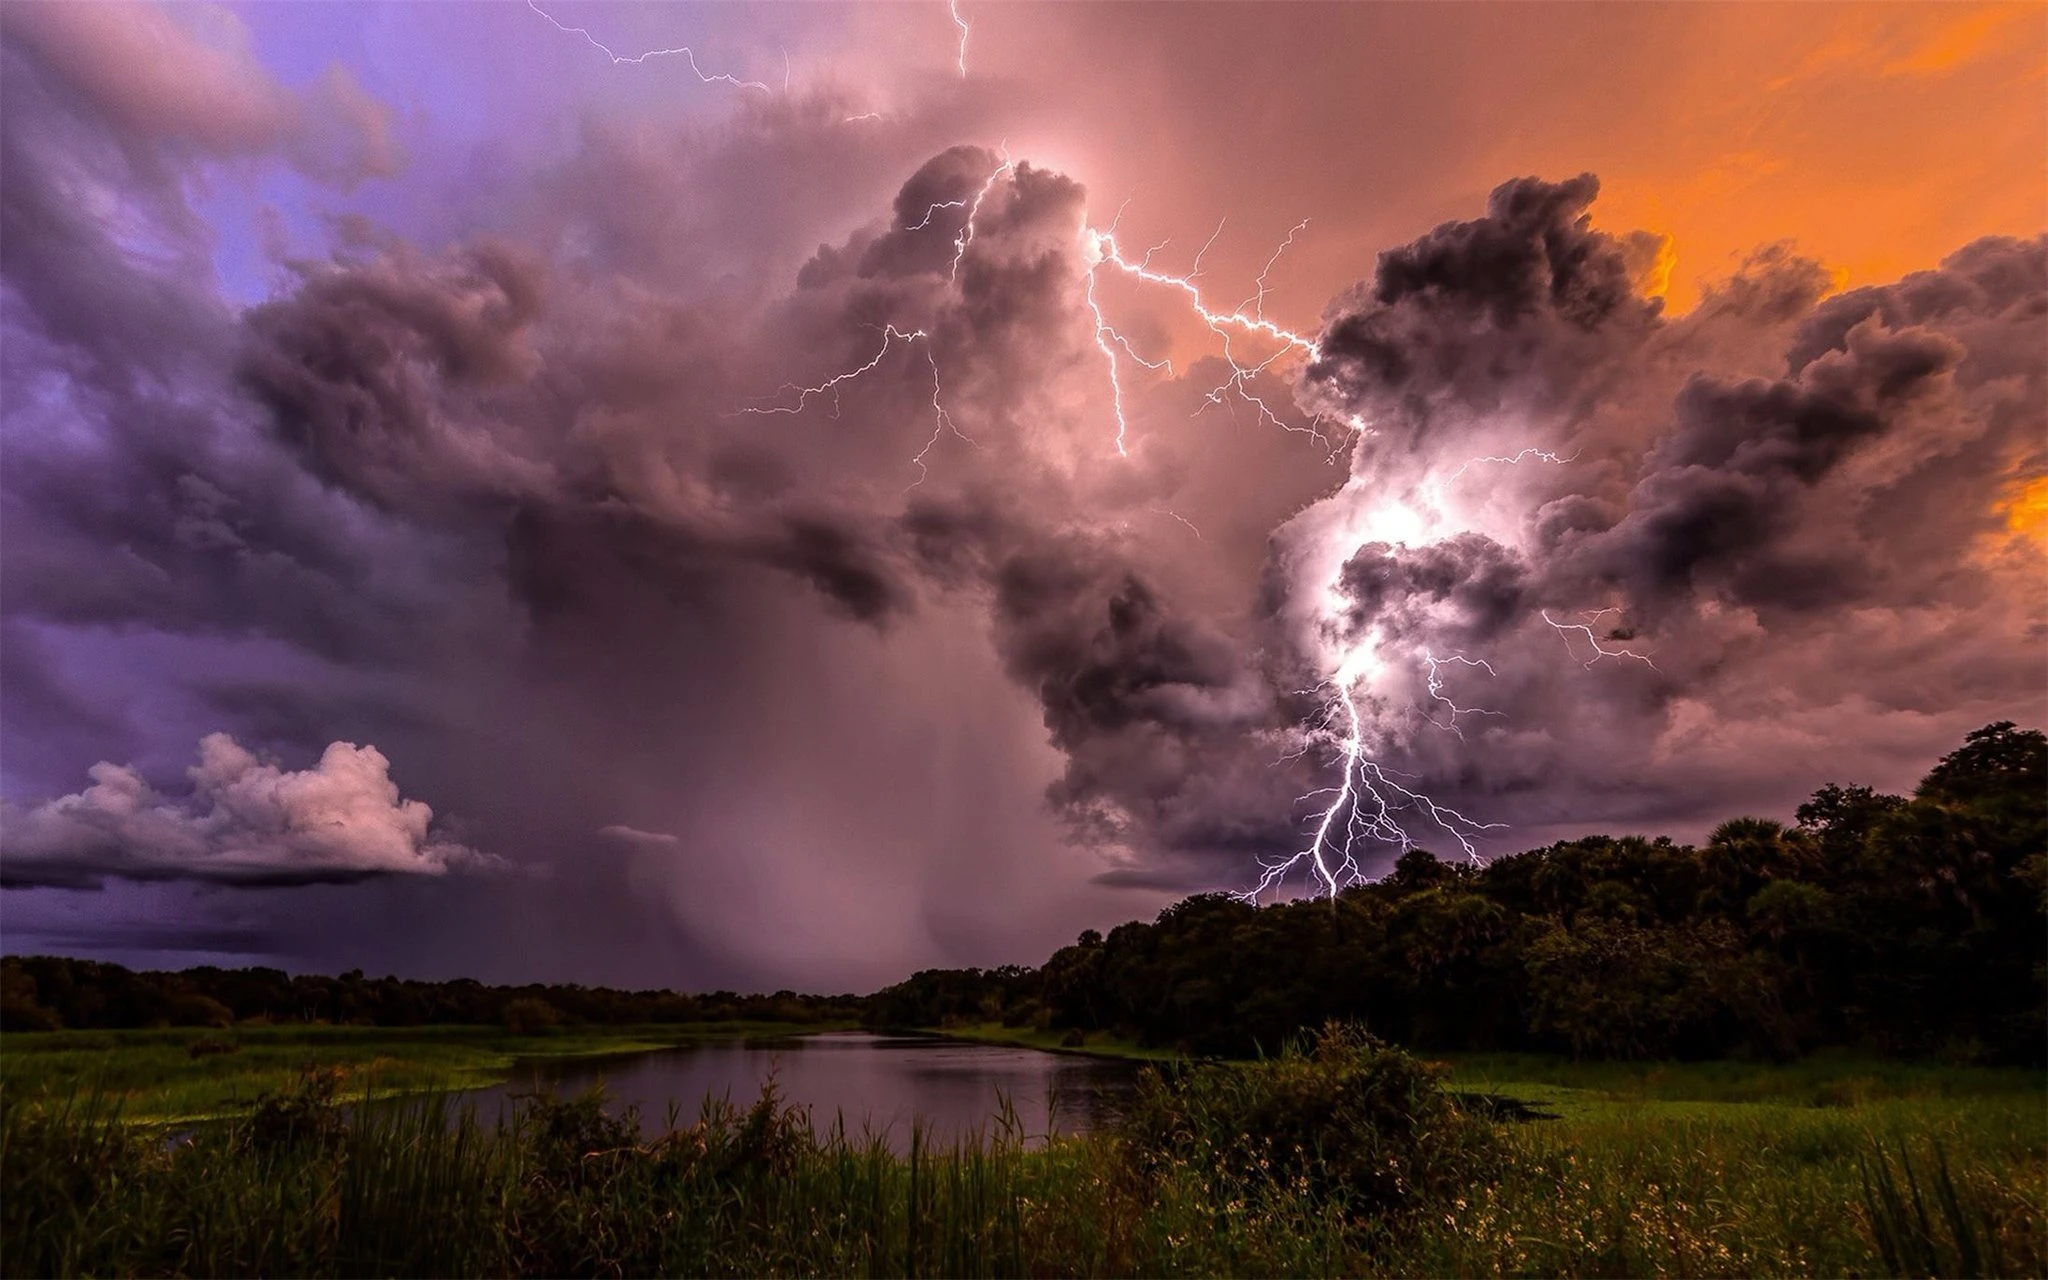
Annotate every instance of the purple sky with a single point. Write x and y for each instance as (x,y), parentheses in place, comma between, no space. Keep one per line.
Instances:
(420,552)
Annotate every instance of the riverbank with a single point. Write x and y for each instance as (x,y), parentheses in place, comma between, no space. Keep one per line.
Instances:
(1830,1167)
(1095,1044)
(185,1074)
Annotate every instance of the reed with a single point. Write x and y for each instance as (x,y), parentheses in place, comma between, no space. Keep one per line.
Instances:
(315,1184)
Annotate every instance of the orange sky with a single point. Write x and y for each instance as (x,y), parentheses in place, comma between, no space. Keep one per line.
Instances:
(1878,137)
(1898,133)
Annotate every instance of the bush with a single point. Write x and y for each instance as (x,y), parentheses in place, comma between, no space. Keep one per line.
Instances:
(302,1118)
(575,1141)
(1350,1118)
(530,1015)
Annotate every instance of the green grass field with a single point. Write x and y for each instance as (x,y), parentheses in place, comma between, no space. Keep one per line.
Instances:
(169,1075)
(1832,1166)
(1722,1168)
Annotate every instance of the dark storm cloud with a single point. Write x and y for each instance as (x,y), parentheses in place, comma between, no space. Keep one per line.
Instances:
(1724,490)
(136,495)
(763,589)
(154,937)
(406,451)
(378,374)
(560,557)
(1518,309)
(1145,703)
(1785,544)
(1470,586)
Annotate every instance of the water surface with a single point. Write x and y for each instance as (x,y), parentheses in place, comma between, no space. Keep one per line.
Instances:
(872,1083)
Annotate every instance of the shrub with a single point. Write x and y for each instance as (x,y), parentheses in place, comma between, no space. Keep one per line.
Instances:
(575,1141)
(1350,1118)
(299,1118)
(530,1015)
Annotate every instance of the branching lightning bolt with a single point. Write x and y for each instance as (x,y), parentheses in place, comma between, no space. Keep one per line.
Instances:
(1541,455)
(965,237)
(1363,806)
(618,59)
(1246,320)
(1563,628)
(1368,803)
(942,422)
(1435,684)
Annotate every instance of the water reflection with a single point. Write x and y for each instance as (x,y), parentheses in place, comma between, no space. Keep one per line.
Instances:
(874,1084)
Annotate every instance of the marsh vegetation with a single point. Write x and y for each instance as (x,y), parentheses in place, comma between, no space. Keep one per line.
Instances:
(1341,1157)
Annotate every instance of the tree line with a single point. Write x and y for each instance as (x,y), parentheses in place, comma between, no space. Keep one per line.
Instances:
(1899,925)
(44,993)
(1905,926)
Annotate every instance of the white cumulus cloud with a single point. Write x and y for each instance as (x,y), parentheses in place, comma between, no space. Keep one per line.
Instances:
(246,821)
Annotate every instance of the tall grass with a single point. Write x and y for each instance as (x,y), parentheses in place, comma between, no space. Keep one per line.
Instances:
(1347,1161)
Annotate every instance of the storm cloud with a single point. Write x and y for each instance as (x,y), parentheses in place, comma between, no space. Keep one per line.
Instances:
(740,524)
(1664,549)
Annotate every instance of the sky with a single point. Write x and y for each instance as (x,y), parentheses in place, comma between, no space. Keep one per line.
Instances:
(767,496)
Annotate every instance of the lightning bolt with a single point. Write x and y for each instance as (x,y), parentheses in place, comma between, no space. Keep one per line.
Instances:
(635,59)
(1247,320)
(1564,629)
(965,236)
(1363,806)
(1367,804)
(932,212)
(1541,455)
(1108,340)
(1434,682)
(1175,515)
(1223,323)
(942,421)
(953,7)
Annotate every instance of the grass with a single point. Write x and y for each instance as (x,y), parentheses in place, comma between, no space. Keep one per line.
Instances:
(1823,1080)
(1629,1185)
(188,1074)
(1826,1167)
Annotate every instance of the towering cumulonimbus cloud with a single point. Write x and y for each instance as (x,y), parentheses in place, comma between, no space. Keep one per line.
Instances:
(768,568)
(1669,555)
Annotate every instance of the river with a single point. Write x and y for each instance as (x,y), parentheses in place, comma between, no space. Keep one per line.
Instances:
(878,1084)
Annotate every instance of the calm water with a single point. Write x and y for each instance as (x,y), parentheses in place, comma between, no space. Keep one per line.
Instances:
(875,1083)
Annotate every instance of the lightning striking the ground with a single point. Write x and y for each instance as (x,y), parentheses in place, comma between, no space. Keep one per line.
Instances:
(1363,806)
(1368,804)
(617,59)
